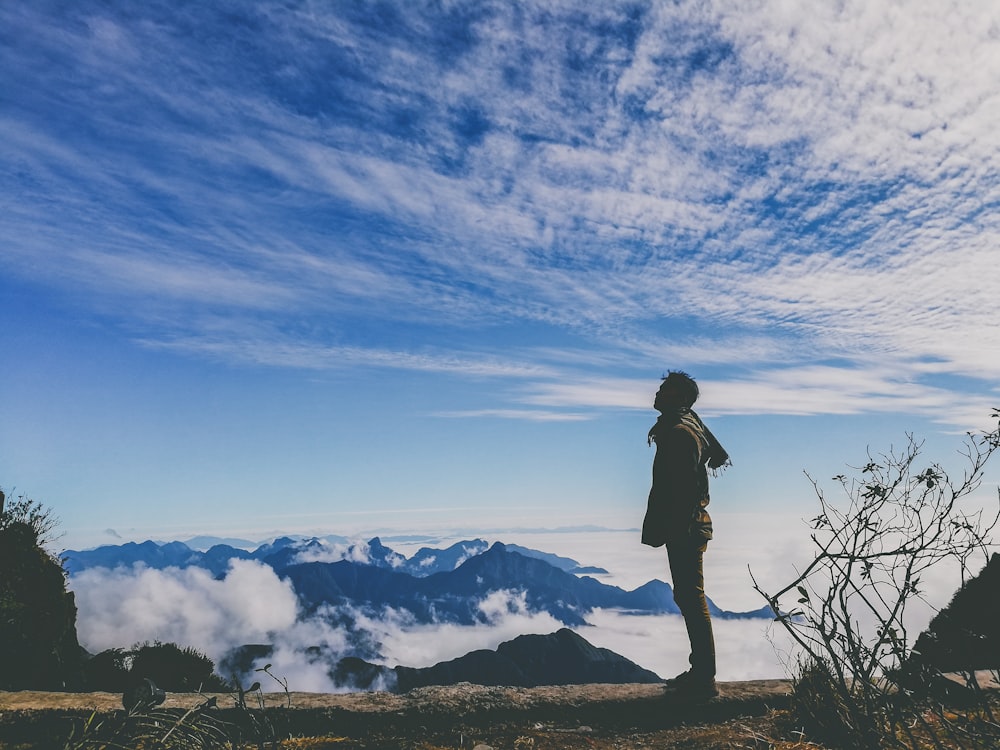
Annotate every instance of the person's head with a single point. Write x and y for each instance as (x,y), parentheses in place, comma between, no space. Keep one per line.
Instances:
(677,389)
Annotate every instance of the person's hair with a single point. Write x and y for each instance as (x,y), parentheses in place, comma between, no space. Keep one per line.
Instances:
(687,389)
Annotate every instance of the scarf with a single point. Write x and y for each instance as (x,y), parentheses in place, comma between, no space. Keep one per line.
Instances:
(714,455)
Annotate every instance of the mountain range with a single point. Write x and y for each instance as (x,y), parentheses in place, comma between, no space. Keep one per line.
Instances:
(434,585)
(284,551)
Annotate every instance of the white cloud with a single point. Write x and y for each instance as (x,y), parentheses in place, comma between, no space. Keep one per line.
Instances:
(603,392)
(405,643)
(326,552)
(745,649)
(531,415)
(872,75)
(275,351)
(795,390)
(302,655)
(189,607)
(252,605)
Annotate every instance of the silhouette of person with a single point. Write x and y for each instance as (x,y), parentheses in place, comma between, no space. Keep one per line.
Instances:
(676,517)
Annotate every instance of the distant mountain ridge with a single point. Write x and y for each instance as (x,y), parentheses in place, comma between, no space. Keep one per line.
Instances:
(285,551)
(455,595)
(434,585)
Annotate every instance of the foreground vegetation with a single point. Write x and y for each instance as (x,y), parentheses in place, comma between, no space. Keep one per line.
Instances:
(861,682)
(437,727)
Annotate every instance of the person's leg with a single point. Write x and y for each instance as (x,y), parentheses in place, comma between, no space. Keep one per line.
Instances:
(686,569)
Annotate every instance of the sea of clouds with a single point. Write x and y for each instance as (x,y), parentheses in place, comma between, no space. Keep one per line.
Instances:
(251,604)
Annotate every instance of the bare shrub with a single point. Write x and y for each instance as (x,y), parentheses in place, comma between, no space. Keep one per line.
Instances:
(894,519)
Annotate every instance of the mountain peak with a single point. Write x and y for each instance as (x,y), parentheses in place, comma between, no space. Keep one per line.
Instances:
(560,658)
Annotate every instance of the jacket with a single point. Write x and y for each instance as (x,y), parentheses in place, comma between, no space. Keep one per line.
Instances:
(678,498)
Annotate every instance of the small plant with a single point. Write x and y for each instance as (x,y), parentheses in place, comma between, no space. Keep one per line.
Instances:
(147,725)
(283,681)
(257,722)
(144,727)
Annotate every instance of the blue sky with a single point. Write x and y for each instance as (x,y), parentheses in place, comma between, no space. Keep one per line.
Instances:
(336,266)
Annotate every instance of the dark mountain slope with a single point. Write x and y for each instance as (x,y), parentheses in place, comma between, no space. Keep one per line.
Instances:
(965,635)
(560,658)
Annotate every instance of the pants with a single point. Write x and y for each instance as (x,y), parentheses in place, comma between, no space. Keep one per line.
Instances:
(685,558)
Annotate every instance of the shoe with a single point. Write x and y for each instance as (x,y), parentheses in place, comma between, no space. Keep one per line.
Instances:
(693,686)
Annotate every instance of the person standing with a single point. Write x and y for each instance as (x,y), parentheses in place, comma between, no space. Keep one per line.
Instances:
(677,518)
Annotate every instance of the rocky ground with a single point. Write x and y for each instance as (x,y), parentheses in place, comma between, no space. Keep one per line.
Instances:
(746,714)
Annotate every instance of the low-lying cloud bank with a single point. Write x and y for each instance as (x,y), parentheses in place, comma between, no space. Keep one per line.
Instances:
(252,605)
(188,606)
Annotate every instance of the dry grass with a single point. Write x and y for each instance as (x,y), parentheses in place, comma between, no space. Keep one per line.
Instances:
(454,719)
(749,733)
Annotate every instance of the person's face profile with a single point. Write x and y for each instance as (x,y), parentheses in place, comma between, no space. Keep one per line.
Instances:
(665,396)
